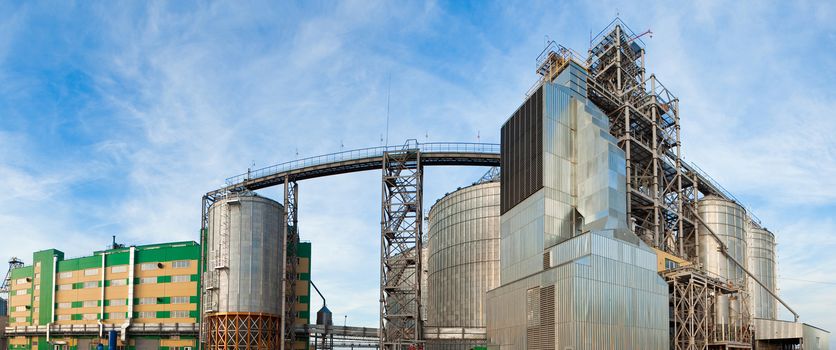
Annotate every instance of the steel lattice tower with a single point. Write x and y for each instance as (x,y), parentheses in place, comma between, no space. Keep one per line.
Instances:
(400,240)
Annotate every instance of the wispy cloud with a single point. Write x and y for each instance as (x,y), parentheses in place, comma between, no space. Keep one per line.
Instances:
(121,129)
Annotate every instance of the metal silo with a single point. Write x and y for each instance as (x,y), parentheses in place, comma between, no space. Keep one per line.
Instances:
(727,220)
(761,263)
(463,263)
(245,263)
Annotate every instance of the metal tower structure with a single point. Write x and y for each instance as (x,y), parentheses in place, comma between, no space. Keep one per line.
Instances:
(400,240)
(7,281)
(644,117)
(291,234)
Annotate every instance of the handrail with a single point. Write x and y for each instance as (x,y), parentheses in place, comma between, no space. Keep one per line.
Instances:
(722,189)
(369,152)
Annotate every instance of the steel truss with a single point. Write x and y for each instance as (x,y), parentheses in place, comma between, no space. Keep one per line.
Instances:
(400,243)
(291,234)
(644,117)
(693,299)
(243,331)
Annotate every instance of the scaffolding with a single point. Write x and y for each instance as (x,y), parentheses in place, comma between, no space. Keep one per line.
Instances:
(400,285)
(243,331)
(693,300)
(291,234)
(644,117)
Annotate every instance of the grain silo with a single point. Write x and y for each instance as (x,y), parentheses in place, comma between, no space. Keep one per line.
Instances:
(245,263)
(463,265)
(761,263)
(727,220)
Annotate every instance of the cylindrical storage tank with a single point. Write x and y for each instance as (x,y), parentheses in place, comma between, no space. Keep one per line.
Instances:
(761,263)
(726,219)
(243,278)
(463,260)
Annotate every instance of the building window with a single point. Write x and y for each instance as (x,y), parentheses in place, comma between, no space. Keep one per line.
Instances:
(670,264)
(91,303)
(63,317)
(89,317)
(67,274)
(180,314)
(91,272)
(179,300)
(20,319)
(37,276)
(181,278)
(37,310)
(21,292)
(37,287)
(147,280)
(148,266)
(143,301)
(21,281)
(65,286)
(91,284)
(65,305)
(20,308)
(117,302)
(116,315)
(180,264)
(148,314)
(119,282)
(118,269)
(37,298)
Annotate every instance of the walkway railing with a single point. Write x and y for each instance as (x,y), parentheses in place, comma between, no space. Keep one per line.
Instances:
(371,152)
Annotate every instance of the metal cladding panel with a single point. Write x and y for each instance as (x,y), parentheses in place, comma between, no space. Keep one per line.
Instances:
(727,220)
(761,263)
(245,247)
(521,152)
(464,256)
(608,297)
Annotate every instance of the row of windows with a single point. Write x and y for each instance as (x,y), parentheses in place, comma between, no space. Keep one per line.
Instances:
(179,264)
(119,282)
(114,316)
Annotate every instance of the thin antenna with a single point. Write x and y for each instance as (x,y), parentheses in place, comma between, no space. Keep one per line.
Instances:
(388,95)
(478,135)
(341,145)
(297,152)
(426,135)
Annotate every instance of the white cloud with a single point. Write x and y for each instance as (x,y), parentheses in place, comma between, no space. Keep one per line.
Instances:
(198,94)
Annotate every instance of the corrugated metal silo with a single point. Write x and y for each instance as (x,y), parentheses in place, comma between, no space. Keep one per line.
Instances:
(463,259)
(727,220)
(244,273)
(761,263)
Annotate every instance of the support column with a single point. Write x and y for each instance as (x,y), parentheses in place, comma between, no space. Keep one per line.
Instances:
(291,235)
(400,246)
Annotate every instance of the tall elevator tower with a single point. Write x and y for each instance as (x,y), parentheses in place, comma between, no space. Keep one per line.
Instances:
(572,274)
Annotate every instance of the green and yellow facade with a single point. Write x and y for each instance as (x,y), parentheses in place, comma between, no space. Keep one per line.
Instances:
(72,297)
(303,291)
(122,289)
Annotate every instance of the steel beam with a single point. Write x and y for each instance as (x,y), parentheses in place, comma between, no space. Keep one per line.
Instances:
(400,247)
(291,235)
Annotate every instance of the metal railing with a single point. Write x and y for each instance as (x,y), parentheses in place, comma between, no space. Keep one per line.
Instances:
(362,153)
(723,190)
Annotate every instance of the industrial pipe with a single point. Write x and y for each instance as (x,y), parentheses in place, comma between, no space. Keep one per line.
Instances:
(318,292)
(102,306)
(131,269)
(724,250)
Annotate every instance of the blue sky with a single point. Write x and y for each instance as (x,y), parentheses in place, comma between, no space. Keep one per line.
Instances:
(116,118)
